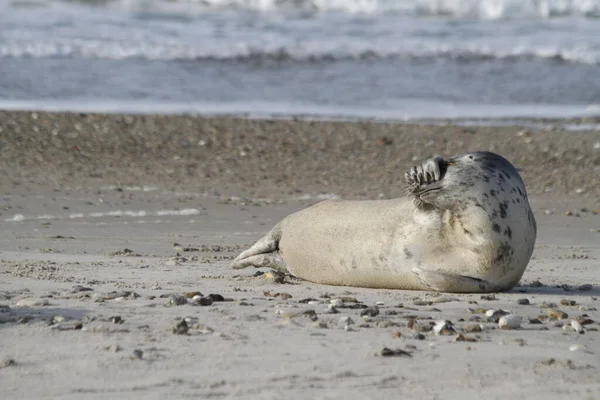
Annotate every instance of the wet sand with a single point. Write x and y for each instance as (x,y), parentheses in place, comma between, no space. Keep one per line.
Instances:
(80,189)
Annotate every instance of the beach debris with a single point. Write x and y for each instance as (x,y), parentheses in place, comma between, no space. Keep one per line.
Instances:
(472,328)
(125,253)
(137,353)
(370,312)
(556,314)
(587,308)
(523,302)
(444,328)
(203,301)
(585,287)
(386,352)
(267,293)
(462,338)
(577,327)
(320,324)
(396,334)
(177,300)
(565,302)
(494,315)
(274,276)
(32,302)
(422,303)
(190,295)
(576,347)
(177,247)
(489,297)
(511,321)
(215,297)
(181,328)
(68,326)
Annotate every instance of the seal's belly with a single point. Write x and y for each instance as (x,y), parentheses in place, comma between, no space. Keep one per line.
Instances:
(353,247)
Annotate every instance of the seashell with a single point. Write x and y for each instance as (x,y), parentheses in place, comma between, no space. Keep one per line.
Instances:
(510,321)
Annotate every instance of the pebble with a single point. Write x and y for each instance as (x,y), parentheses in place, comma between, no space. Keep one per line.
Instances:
(217,297)
(419,336)
(585,287)
(177,300)
(320,325)
(557,314)
(68,326)
(523,302)
(472,328)
(370,312)
(510,321)
(463,338)
(336,302)
(137,353)
(576,347)
(379,303)
(396,334)
(386,352)
(346,320)
(577,327)
(566,302)
(444,328)
(116,319)
(494,315)
(586,308)
(181,328)
(204,301)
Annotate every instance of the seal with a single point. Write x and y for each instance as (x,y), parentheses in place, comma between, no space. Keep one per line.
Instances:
(465,226)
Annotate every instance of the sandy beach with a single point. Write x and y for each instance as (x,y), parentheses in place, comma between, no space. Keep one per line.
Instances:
(118,230)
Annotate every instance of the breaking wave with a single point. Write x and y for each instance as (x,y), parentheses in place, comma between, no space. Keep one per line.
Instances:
(91,49)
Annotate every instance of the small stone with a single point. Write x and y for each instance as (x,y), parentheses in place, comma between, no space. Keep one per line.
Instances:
(396,334)
(510,321)
(523,302)
(336,302)
(576,347)
(463,338)
(137,353)
(68,326)
(494,315)
(557,314)
(489,297)
(320,325)
(385,352)
(217,297)
(181,328)
(116,319)
(566,302)
(379,303)
(190,295)
(577,327)
(422,303)
(370,312)
(177,300)
(419,336)
(585,287)
(346,320)
(204,301)
(472,328)
(444,328)
(586,308)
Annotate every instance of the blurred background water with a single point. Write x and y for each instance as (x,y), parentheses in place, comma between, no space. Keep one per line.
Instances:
(391,59)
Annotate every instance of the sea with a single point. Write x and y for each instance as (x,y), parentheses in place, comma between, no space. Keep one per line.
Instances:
(322,59)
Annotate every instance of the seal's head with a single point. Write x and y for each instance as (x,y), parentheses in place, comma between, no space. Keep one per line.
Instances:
(477,178)
(483,198)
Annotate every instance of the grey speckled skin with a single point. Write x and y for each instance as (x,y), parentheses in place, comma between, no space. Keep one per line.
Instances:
(466,226)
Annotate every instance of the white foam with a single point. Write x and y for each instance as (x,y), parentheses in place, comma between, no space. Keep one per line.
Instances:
(115,213)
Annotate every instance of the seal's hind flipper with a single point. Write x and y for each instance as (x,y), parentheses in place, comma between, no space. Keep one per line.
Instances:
(453,283)
(263,253)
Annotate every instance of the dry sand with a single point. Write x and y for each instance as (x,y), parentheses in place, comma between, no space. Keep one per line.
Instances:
(77,190)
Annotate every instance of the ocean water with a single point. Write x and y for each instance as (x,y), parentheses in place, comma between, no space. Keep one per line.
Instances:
(390,59)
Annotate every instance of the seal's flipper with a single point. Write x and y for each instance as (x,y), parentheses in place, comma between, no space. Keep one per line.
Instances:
(446,282)
(263,253)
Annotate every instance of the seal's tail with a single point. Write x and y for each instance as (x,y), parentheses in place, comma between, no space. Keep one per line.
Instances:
(262,253)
